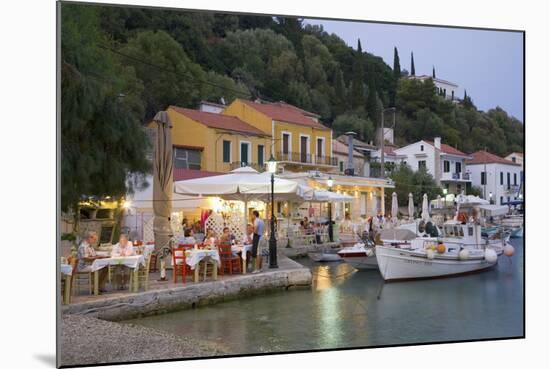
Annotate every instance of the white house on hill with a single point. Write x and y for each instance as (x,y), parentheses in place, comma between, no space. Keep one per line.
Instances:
(448,90)
(445,163)
(499,178)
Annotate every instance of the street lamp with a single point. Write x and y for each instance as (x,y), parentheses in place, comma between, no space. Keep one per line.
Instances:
(490,197)
(382,165)
(330,183)
(445,196)
(272,168)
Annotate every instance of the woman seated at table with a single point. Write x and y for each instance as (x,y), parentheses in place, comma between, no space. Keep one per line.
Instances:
(124,247)
(210,240)
(188,239)
(247,237)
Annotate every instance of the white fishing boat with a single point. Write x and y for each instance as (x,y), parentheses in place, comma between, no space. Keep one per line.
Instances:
(359,256)
(460,249)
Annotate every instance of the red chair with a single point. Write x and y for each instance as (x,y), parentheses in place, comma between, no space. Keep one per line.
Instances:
(178,263)
(153,263)
(229,261)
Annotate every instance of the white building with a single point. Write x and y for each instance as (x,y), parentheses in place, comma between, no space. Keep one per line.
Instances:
(211,107)
(515,157)
(448,90)
(445,163)
(498,178)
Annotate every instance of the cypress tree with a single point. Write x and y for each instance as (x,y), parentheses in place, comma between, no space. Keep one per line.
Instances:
(372,102)
(396,64)
(340,93)
(412,65)
(357,92)
(433,72)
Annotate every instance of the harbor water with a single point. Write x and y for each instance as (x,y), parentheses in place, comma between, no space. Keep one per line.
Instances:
(342,310)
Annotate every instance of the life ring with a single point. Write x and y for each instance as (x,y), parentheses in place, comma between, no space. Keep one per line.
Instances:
(462,217)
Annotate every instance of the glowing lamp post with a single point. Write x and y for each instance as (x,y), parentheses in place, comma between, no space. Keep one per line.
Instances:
(490,197)
(272,168)
(330,183)
(445,196)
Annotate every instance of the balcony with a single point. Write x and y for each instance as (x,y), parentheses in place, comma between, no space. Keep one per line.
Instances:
(306,159)
(458,177)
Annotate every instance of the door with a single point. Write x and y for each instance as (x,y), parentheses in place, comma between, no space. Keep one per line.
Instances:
(303,149)
(245,160)
(286,146)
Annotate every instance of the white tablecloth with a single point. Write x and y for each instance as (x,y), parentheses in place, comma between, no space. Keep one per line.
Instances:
(66,269)
(128,261)
(194,256)
(243,249)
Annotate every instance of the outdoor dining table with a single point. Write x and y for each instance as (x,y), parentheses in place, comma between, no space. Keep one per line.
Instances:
(194,256)
(243,249)
(132,262)
(67,272)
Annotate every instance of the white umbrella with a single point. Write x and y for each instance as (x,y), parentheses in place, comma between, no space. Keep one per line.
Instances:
(425,209)
(394,207)
(329,196)
(411,206)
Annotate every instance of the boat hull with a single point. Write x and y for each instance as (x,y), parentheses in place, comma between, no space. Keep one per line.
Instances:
(324,257)
(399,264)
(360,260)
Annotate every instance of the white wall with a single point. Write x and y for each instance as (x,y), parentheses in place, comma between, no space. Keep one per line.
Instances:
(493,180)
(411,151)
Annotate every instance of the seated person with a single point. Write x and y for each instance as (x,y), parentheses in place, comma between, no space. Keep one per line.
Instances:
(86,255)
(247,237)
(188,239)
(210,240)
(124,247)
(226,236)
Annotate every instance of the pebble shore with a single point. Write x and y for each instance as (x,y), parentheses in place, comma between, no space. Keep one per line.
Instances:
(88,340)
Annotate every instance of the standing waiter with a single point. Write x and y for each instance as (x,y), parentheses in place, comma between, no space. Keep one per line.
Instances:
(258,232)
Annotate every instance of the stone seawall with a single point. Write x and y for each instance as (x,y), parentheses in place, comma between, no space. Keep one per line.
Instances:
(159,301)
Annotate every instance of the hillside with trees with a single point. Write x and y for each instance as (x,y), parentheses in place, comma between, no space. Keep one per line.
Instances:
(122,65)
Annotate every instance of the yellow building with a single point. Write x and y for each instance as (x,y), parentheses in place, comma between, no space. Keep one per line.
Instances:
(300,142)
(215,142)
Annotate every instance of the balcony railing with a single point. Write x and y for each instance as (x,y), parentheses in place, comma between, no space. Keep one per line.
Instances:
(455,176)
(304,158)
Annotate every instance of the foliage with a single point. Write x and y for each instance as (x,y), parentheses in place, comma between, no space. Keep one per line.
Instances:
(101,137)
(355,123)
(476,191)
(418,183)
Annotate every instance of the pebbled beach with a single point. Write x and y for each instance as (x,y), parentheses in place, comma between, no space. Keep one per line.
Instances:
(88,340)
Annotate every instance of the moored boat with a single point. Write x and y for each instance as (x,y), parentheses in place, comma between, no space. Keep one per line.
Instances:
(359,256)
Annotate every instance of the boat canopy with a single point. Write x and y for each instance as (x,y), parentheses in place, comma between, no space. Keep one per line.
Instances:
(494,210)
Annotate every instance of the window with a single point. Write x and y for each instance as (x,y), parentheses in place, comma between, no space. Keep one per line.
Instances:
(320,147)
(515,179)
(483,178)
(514,159)
(458,167)
(501,200)
(508,179)
(245,153)
(422,164)
(341,166)
(286,143)
(446,166)
(501,178)
(187,158)
(421,147)
(470,231)
(261,155)
(226,151)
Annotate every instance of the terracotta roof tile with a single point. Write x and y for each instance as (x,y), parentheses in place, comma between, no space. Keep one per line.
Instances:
(448,149)
(285,113)
(181,174)
(484,157)
(219,121)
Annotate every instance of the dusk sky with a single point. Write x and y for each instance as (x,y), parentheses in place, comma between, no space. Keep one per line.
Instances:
(488,64)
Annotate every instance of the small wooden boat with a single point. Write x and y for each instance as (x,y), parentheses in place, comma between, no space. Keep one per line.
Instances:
(324,256)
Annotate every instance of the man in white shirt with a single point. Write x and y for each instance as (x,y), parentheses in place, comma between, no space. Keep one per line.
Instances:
(86,255)
(249,235)
(258,232)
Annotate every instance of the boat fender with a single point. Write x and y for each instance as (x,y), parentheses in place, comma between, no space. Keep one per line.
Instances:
(464,254)
(509,250)
(490,255)
(430,254)
(441,248)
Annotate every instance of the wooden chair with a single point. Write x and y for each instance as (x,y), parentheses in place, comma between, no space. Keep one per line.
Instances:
(178,263)
(79,276)
(153,266)
(143,274)
(228,261)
